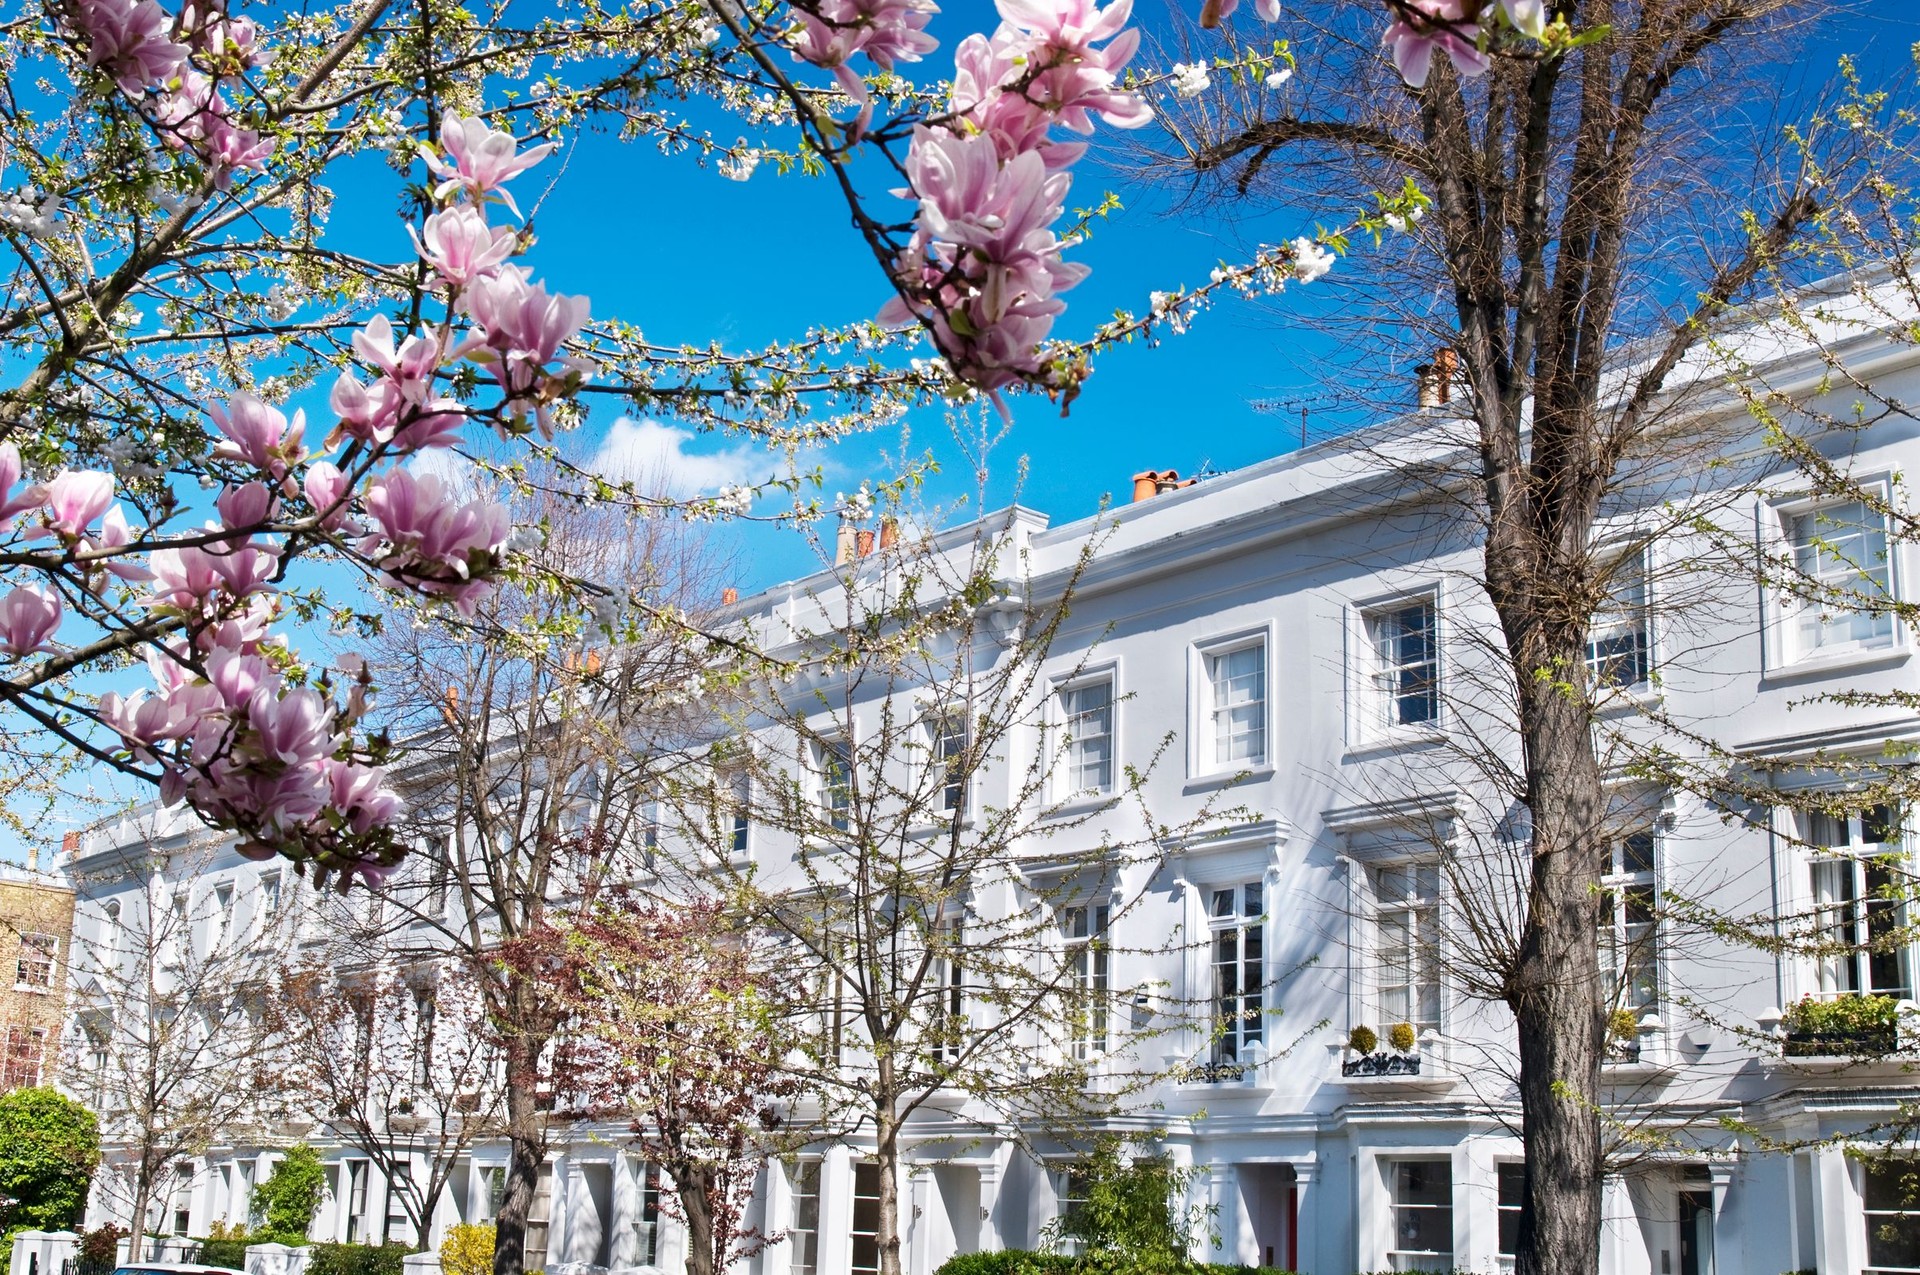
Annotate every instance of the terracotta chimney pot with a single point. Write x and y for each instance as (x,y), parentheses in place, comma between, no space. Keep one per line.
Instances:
(729,596)
(889,532)
(70,844)
(864,539)
(1146,485)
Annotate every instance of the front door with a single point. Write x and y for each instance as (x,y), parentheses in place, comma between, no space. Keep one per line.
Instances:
(1696,1233)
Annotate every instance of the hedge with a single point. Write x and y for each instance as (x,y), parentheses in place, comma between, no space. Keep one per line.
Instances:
(229,1253)
(1015,1261)
(358,1259)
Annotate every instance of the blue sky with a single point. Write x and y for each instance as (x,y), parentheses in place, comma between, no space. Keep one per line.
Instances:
(691,255)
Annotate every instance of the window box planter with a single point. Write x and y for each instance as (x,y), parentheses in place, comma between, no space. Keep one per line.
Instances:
(1846,1027)
(1381,1064)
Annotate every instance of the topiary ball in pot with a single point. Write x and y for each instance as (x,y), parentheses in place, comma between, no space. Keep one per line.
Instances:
(1402,1038)
(1361,1040)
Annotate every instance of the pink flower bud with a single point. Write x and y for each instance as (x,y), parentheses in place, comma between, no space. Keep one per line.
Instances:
(28,617)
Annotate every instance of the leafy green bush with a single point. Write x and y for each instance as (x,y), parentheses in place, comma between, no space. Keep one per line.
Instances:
(228,1251)
(286,1202)
(1021,1262)
(49,1145)
(1843,1025)
(358,1259)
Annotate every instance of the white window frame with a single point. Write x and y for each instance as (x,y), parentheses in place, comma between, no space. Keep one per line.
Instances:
(738,829)
(1202,742)
(1401,1259)
(821,750)
(1063,743)
(1607,624)
(1368,717)
(1090,982)
(1784,650)
(942,759)
(27,1047)
(1501,1209)
(1239,1026)
(803,1184)
(1370,955)
(948,977)
(1875,1218)
(1617,943)
(1854,859)
(48,946)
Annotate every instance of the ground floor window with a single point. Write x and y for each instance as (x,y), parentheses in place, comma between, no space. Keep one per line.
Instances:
(1892,1199)
(1513,1185)
(803,1234)
(866,1218)
(1422,1215)
(646,1220)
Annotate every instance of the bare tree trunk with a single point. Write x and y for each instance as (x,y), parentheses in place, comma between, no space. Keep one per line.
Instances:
(886,1156)
(695,1186)
(142,1198)
(1555,990)
(527,1143)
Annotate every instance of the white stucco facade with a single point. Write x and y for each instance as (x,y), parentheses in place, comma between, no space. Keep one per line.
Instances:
(1346,592)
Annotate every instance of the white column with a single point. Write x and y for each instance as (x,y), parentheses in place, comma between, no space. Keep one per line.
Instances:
(1226,1200)
(916,1258)
(836,1209)
(1307,1204)
(1722,1174)
(990,1175)
(778,1256)
(1836,1213)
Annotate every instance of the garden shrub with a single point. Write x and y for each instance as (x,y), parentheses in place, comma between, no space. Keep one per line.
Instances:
(225,1250)
(286,1202)
(1022,1262)
(467,1250)
(358,1259)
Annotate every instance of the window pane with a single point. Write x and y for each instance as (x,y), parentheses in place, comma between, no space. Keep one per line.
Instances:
(1892,1206)
(1238,680)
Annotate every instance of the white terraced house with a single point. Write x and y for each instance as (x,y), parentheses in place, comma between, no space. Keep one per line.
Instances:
(1309,634)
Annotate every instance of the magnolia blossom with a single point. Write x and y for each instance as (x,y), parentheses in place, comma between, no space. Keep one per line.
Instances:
(523,327)
(829,32)
(29,615)
(1442,24)
(420,539)
(74,499)
(1223,9)
(460,246)
(480,159)
(128,39)
(984,269)
(259,434)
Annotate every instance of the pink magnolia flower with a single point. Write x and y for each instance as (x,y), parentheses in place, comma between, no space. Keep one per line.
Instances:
(12,506)
(129,40)
(229,149)
(428,543)
(887,31)
(75,498)
(460,246)
(246,507)
(1442,25)
(28,617)
(360,795)
(1223,9)
(1529,17)
(480,160)
(291,728)
(183,578)
(259,434)
(326,490)
(115,534)
(523,327)
(236,676)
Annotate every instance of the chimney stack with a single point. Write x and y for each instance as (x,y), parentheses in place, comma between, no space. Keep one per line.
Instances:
(843,543)
(1437,377)
(70,844)
(729,596)
(1149,483)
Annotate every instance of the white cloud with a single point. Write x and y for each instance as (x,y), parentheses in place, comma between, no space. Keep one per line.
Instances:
(648,453)
(449,466)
